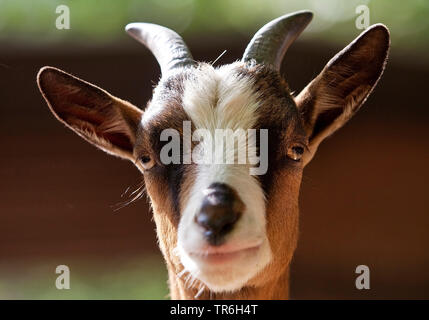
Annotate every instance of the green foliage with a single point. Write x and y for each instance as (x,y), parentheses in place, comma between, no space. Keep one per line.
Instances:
(100,21)
(89,279)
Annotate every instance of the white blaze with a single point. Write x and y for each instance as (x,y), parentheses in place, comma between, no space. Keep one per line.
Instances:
(222,99)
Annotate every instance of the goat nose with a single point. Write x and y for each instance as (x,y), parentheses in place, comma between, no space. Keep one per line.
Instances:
(220,210)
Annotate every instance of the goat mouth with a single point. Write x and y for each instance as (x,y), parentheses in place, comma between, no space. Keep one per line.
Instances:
(223,254)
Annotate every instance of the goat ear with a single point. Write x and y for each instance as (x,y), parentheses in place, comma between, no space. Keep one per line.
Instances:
(338,92)
(103,120)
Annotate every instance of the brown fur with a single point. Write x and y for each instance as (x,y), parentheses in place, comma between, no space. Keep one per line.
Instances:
(326,104)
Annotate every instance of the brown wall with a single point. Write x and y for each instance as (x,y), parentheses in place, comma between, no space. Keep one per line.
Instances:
(364,196)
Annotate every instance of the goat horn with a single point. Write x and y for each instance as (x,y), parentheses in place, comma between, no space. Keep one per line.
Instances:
(269,44)
(166,45)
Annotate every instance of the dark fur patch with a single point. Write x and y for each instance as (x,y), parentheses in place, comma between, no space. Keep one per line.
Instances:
(278,113)
(148,139)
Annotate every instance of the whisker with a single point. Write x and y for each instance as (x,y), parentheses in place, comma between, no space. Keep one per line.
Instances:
(200,292)
(220,56)
(181,273)
(187,280)
(137,194)
(193,282)
(125,192)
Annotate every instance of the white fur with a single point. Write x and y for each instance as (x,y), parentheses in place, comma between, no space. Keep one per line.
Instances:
(219,99)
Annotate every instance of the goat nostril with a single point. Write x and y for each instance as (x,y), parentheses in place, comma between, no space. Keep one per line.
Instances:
(203,220)
(215,233)
(227,227)
(219,213)
(219,221)
(216,227)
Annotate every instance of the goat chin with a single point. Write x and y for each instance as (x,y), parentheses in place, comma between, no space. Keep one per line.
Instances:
(225,269)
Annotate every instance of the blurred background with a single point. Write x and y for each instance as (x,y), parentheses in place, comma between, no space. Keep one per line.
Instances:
(364,197)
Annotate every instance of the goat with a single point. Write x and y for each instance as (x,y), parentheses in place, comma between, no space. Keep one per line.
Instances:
(224,233)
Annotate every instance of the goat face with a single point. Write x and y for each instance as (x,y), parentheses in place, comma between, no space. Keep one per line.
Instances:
(219,210)
(228,228)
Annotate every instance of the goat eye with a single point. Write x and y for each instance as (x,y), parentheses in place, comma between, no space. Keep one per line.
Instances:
(147,162)
(295,152)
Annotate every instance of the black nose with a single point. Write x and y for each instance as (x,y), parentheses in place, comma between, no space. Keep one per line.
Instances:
(220,211)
